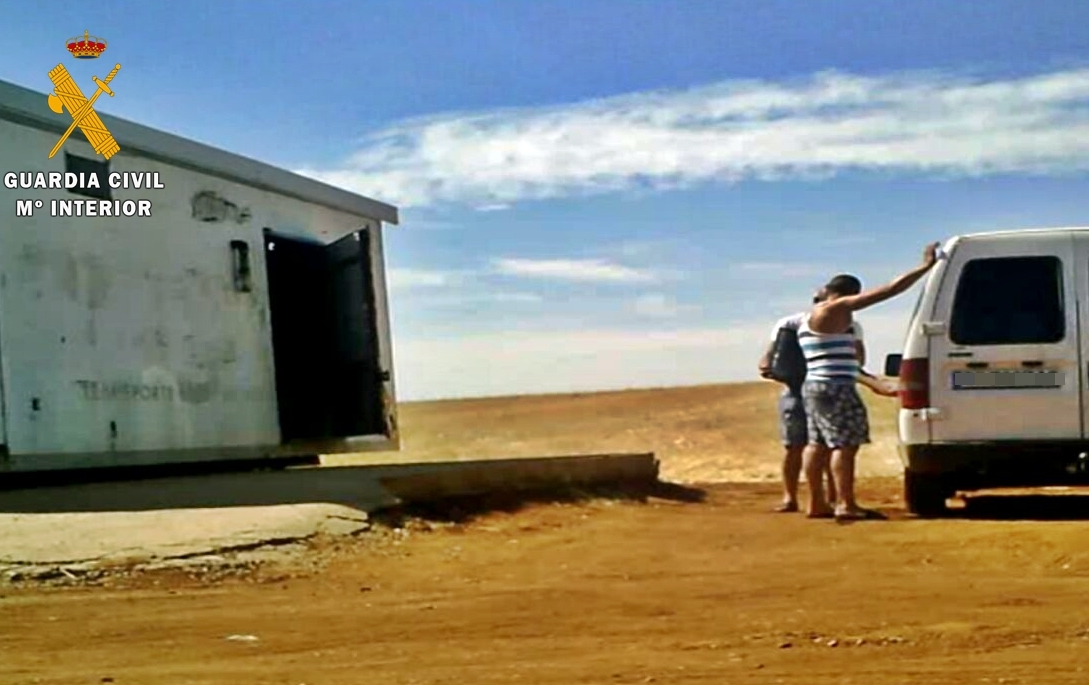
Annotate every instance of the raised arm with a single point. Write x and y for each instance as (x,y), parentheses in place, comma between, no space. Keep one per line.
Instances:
(891,289)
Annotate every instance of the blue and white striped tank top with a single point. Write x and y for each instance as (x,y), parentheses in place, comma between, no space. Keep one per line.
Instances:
(828,356)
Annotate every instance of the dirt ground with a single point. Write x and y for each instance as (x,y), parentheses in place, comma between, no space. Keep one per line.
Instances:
(702,434)
(692,585)
(600,591)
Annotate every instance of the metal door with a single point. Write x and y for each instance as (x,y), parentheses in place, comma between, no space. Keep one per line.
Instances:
(1005,345)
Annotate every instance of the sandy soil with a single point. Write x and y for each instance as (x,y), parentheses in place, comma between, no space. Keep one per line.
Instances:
(711,433)
(596,592)
(662,590)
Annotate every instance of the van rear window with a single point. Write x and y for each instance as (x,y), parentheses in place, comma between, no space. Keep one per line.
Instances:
(1009,301)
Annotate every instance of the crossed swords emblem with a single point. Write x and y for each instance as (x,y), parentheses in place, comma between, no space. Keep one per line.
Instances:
(67,94)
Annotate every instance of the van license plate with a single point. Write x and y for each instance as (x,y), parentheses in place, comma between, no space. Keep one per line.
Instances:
(1006,380)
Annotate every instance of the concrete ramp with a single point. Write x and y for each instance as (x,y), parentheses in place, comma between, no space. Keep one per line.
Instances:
(79,526)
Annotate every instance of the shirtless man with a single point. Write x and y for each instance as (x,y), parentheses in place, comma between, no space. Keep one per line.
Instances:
(837,417)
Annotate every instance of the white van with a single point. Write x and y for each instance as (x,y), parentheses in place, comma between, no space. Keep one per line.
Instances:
(992,390)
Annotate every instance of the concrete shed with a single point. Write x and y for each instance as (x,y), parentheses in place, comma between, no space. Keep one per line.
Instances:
(243,317)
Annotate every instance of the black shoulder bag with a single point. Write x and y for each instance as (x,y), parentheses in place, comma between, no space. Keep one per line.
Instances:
(787,360)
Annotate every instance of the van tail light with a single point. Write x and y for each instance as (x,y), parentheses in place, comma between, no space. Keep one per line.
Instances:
(915,384)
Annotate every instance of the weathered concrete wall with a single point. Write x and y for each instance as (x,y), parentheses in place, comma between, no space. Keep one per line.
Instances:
(121,334)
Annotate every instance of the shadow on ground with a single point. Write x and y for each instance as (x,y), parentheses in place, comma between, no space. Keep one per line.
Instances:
(467,508)
(367,489)
(1025,508)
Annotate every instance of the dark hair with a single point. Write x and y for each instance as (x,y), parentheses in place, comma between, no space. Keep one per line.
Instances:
(844,284)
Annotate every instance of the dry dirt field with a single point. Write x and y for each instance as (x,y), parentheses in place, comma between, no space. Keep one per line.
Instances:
(659,589)
(712,433)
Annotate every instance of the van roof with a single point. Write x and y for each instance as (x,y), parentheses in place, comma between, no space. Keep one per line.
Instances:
(1024,232)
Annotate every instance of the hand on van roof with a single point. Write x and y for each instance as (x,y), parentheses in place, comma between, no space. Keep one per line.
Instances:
(930,254)
(868,298)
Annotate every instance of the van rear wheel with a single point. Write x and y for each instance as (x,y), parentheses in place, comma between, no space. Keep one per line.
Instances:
(925,495)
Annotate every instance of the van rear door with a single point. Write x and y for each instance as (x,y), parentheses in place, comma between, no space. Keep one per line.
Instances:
(1006,366)
(1081,260)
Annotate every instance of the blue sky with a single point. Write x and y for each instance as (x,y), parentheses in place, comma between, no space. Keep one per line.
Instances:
(618,193)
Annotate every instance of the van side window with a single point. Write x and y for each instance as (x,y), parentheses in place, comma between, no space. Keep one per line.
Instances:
(1009,301)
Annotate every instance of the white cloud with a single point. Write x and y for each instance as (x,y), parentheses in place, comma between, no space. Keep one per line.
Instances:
(814,274)
(636,248)
(515,297)
(492,208)
(541,361)
(910,122)
(416,224)
(595,270)
(781,270)
(446,298)
(657,305)
(849,240)
(660,249)
(403,278)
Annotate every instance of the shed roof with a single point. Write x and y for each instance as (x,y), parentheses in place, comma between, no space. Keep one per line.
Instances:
(28,107)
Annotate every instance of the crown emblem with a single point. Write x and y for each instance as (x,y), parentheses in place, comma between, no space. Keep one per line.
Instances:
(86,47)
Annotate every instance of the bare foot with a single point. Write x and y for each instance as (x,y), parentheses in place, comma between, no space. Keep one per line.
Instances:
(859,514)
(787,507)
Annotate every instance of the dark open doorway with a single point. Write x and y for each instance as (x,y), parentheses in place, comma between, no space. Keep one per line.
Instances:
(324,337)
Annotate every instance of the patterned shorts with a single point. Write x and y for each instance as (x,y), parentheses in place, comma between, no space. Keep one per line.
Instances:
(835,413)
(792,422)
